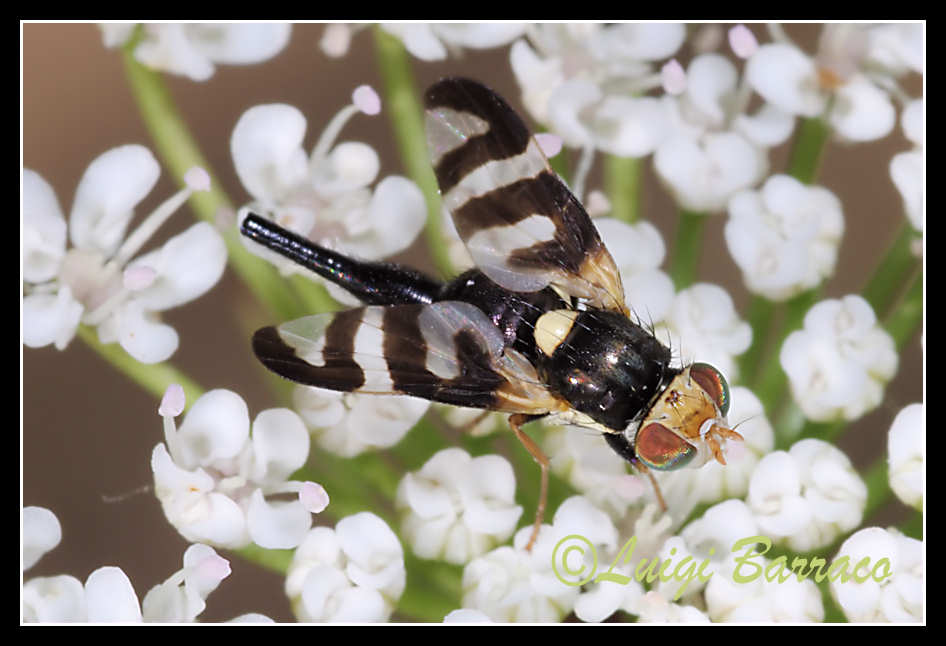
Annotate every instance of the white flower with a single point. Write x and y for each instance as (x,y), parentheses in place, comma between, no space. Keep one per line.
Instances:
(96,281)
(784,236)
(618,58)
(193,49)
(589,465)
(702,174)
(348,424)
(714,481)
(702,325)
(585,116)
(510,584)
(212,476)
(717,99)
(622,589)
(893,573)
(432,42)
(839,362)
(108,596)
(585,81)
(655,609)
(896,48)
(905,455)
(181,598)
(759,600)
(907,168)
(785,76)
(353,573)
(324,196)
(807,496)
(41,533)
(707,542)
(456,508)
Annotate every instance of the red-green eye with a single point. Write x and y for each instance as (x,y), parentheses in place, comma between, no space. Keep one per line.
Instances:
(661,449)
(713,382)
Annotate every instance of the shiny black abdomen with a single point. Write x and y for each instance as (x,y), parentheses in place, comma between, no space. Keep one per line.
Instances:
(515,314)
(608,367)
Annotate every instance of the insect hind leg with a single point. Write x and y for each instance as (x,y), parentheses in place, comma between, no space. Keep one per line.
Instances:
(373,283)
(515,422)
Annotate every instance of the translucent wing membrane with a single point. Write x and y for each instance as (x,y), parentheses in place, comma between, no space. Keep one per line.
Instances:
(521,224)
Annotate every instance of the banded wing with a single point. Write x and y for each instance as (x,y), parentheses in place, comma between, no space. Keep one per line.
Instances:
(520,223)
(447,352)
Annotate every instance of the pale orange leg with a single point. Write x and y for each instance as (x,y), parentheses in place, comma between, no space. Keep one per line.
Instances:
(515,422)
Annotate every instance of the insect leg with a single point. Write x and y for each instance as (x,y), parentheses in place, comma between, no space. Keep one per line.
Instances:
(515,422)
(373,283)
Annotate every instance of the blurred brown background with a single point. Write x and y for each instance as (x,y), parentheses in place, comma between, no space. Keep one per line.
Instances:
(87,433)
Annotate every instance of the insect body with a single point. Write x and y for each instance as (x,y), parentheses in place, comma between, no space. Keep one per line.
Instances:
(540,327)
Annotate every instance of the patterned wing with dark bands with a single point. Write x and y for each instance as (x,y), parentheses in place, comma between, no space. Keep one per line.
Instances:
(521,224)
(448,352)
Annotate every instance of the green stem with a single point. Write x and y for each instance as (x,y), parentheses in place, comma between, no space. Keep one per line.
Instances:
(772,381)
(878,486)
(622,177)
(906,316)
(406,114)
(180,152)
(889,275)
(760,316)
(687,248)
(153,378)
(808,149)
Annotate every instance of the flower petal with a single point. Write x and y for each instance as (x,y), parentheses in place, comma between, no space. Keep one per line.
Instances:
(187,266)
(266,146)
(41,533)
(277,525)
(113,184)
(111,597)
(50,318)
(44,229)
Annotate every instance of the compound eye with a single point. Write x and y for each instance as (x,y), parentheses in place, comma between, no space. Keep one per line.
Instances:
(660,448)
(714,383)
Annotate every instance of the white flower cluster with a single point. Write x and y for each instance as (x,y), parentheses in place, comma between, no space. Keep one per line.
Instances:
(584,81)
(212,475)
(889,594)
(193,49)
(510,584)
(99,281)
(456,507)
(325,195)
(107,595)
(785,236)
(839,363)
(353,573)
(807,496)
